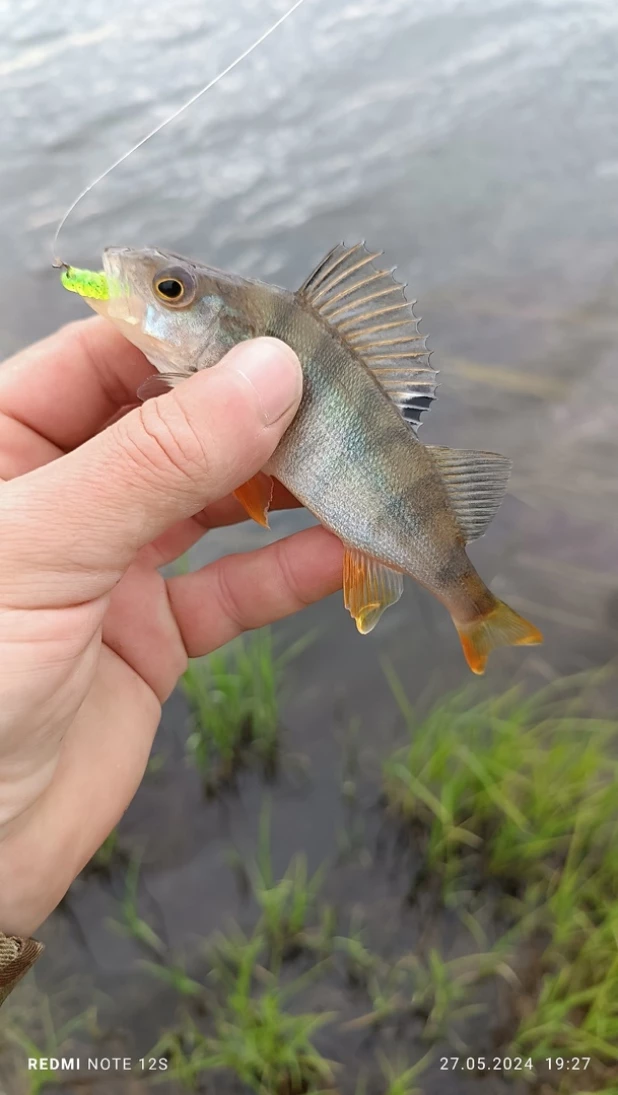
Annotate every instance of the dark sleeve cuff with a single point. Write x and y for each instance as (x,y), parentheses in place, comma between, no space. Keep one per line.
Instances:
(16,958)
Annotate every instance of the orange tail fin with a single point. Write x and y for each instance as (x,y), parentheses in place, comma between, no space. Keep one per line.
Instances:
(501,626)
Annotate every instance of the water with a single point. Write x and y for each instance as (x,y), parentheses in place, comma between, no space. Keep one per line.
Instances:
(473,140)
(475,143)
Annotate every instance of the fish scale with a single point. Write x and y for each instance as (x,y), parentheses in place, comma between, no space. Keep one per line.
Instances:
(351,455)
(361,449)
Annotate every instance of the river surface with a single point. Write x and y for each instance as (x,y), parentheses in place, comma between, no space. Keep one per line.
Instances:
(475,141)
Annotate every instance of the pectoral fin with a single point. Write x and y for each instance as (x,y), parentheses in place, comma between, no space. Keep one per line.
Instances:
(369,588)
(256,495)
(158,384)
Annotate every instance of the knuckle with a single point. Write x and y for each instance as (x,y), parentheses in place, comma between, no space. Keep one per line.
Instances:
(290,580)
(161,439)
(230,604)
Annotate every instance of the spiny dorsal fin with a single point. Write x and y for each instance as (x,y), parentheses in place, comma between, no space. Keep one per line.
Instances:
(476,484)
(370,311)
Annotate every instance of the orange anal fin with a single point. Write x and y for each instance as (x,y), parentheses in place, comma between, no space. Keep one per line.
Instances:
(256,495)
(369,588)
(500,627)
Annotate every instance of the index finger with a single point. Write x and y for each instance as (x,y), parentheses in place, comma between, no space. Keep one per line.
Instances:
(67,386)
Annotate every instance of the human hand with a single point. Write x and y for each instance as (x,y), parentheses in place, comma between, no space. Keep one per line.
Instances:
(92,638)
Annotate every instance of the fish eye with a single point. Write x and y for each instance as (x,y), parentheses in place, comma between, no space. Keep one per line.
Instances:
(175,287)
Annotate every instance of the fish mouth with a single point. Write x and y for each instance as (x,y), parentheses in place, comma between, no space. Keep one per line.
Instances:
(129,272)
(130,307)
(124,274)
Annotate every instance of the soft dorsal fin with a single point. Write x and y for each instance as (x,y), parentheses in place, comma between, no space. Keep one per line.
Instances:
(370,311)
(476,484)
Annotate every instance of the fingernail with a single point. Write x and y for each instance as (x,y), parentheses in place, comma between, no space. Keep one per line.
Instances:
(273,370)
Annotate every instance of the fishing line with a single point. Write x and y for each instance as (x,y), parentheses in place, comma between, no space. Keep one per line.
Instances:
(57,263)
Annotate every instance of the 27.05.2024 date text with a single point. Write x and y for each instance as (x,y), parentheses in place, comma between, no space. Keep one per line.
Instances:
(512,1064)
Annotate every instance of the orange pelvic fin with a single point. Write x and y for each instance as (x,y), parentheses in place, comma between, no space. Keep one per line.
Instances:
(499,627)
(256,495)
(369,588)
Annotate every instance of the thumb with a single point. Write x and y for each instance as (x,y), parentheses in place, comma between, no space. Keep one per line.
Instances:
(72,527)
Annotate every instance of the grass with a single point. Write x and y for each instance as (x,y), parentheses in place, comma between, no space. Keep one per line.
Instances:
(287,905)
(34,1028)
(164,968)
(176,976)
(132,924)
(249,1029)
(255,1037)
(360,963)
(522,789)
(575,1012)
(439,991)
(400,1078)
(234,699)
(429,987)
(496,786)
(516,792)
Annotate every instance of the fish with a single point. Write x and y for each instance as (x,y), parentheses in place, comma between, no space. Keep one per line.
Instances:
(352,455)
